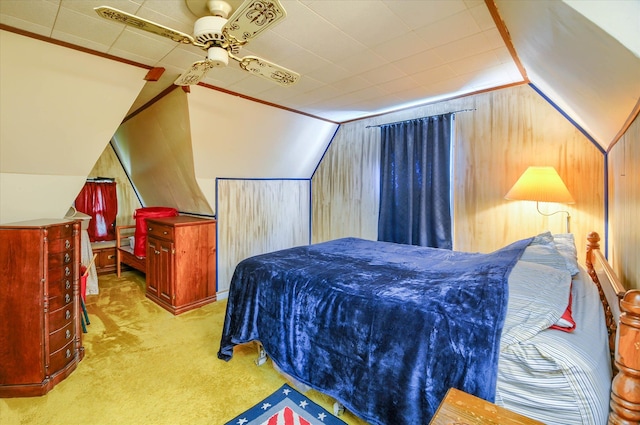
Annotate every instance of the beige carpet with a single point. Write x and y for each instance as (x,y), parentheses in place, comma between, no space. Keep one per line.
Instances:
(145,366)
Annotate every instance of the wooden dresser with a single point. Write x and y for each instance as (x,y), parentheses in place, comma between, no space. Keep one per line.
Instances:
(40,335)
(181,271)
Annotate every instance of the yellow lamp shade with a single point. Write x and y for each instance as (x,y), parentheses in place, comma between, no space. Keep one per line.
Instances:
(542,184)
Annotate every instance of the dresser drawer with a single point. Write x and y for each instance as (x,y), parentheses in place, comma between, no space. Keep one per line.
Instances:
(158,230)
(60,259)
(63,300)
(60,337)
(61,358)
(60,273)
(60,287)
(61,245)
(60,317)
(60,232)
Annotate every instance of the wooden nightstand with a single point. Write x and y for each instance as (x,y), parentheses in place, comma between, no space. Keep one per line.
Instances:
(460,408)
(105,256)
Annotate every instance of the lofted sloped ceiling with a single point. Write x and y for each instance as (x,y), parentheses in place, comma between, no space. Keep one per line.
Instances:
(591,75)
(360,58)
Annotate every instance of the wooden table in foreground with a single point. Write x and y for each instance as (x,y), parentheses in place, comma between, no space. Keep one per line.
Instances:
(460,408)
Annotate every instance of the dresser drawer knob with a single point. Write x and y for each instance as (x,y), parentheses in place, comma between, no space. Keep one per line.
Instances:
(165,233)
(67,284)
(68,353)
(67,315)
(67,271)
(67,298)
(111,257)
(67,257)
(67,243)
(67,334)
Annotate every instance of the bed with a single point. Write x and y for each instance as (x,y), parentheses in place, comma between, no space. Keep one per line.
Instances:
(387,329)
(124,250)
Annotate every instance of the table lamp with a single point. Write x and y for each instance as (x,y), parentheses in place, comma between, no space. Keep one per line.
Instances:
(541,184)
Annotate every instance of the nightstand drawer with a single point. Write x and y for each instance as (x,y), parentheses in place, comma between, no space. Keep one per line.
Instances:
(460,408)
(160,231)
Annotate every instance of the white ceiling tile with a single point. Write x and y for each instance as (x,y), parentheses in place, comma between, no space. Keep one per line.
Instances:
(139,43)
(416,15)
(482,16)
(494,39)
(12,21)
(367,21)
(399,85)
(182,57)
(449,29)
(420,62)
(329,73)
(383,74)
(83,42)
(468,46)
(37,14)
(473,63)
(431,76)
(362,61)
(92,28)
(403,46)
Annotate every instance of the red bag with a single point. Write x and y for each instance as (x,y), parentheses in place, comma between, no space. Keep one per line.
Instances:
(140,215)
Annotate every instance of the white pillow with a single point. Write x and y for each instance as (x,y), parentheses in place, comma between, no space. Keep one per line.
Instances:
(538,296)
(547,255)
(566,246)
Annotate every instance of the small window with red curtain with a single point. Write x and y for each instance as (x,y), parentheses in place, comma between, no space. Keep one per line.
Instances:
(98,198)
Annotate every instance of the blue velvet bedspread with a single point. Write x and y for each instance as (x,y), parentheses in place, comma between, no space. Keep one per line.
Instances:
(384,328)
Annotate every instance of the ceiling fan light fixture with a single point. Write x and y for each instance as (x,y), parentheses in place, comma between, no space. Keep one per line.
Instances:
(219,8)
(218,56)
(208,29)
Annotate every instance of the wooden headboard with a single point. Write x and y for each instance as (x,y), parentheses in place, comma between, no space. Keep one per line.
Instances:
(622,315)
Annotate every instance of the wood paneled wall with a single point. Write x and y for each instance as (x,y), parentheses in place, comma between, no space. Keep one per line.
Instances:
(624,206)
(504,132)
(258,216)
(346,186)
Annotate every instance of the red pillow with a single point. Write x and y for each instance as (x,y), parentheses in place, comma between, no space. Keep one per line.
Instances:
(566,322)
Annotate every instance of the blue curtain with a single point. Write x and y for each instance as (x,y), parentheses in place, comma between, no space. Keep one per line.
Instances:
(415,182)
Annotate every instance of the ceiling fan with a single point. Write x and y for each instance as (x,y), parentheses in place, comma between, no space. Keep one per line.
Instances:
(220,37)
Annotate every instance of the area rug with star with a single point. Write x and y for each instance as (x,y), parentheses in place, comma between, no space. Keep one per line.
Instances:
(286,407)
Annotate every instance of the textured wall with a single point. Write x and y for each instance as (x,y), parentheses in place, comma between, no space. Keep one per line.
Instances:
(108,165)
(624,207)
(506,131)
(160,156)
(53,123)
(258,216)
(346,186)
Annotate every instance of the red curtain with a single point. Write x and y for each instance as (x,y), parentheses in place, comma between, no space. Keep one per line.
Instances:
(99,200)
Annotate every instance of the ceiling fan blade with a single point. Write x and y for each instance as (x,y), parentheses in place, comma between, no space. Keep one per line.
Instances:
(252,18)
(143,24)
(268,70)
(195,73)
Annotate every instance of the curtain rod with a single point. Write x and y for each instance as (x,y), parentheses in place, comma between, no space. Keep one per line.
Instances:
(412,119)
(101,179)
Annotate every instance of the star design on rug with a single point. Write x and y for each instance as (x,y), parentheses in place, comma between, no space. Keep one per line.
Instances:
(286,391)
(321,416)
(303,404)
(242,421)
(265,406)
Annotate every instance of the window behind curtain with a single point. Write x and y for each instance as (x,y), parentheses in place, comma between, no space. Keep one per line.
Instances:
(99,200)
(415,186)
